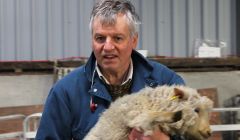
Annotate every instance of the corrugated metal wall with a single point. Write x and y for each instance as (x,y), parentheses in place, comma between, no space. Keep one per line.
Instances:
(50,29)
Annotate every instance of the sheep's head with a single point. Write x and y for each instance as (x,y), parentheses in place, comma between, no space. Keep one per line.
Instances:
(195,119)
(201,129)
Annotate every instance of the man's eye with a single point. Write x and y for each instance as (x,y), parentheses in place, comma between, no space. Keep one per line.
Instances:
(118,39)
(100,39)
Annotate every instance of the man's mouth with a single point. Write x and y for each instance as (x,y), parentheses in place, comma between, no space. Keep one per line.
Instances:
(109,56)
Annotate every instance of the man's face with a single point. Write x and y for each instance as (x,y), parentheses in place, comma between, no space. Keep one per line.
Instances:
(112,44)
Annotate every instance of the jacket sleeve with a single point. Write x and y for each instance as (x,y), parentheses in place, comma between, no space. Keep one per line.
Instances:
(55,122)
(170,77)
(176,79)
(166,76)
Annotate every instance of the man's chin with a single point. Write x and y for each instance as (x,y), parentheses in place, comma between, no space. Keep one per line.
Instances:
(109,68)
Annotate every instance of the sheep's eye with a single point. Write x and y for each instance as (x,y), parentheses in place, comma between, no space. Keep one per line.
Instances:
(197,110)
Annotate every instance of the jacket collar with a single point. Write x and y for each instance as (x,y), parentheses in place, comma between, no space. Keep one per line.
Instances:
(138,60)
(89,68)
(142,74)
(142,70)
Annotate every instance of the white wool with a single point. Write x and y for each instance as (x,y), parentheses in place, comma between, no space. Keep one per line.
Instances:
(137,111)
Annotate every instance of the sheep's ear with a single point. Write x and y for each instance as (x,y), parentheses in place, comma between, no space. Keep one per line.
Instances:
(178,93)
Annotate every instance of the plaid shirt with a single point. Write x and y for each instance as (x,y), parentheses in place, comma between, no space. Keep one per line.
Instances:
(118,90)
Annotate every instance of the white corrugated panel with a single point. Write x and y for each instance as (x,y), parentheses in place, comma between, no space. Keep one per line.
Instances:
(54,29)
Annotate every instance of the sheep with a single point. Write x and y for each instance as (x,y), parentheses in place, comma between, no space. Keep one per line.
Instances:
(173,109)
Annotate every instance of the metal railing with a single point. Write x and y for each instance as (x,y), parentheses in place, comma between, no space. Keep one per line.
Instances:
(11,135)
(30,125)
(225,127)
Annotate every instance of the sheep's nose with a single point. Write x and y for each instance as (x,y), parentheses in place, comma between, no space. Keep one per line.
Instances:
(207,133)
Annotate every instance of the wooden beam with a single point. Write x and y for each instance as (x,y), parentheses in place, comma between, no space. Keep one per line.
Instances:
(177,64)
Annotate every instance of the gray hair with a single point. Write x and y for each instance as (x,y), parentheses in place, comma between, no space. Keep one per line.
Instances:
(107,11)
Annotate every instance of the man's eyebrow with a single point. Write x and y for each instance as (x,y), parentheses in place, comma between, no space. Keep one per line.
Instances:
(98,34)
(112,34)
(119,34)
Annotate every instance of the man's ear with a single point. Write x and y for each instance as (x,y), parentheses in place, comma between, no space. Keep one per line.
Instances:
(135,41)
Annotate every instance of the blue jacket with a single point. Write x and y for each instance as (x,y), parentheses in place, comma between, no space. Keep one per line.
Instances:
(67,112)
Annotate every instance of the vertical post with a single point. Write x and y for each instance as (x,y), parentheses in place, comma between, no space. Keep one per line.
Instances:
(237,27)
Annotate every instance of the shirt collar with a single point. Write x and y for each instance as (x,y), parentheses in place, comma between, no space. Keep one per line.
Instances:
(128,77)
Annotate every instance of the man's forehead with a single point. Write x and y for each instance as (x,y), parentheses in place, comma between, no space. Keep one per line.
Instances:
(111,20)
(119,26)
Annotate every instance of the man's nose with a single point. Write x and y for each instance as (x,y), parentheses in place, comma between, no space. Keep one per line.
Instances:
(108,44)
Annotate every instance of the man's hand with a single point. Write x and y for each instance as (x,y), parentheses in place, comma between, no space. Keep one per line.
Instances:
(157,135)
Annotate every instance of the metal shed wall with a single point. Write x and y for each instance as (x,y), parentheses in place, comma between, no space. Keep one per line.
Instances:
(54,29)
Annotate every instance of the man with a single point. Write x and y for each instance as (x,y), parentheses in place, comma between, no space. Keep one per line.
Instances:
(113,70)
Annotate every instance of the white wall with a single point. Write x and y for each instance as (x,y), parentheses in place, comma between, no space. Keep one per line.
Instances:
(227,83)
(18,90)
